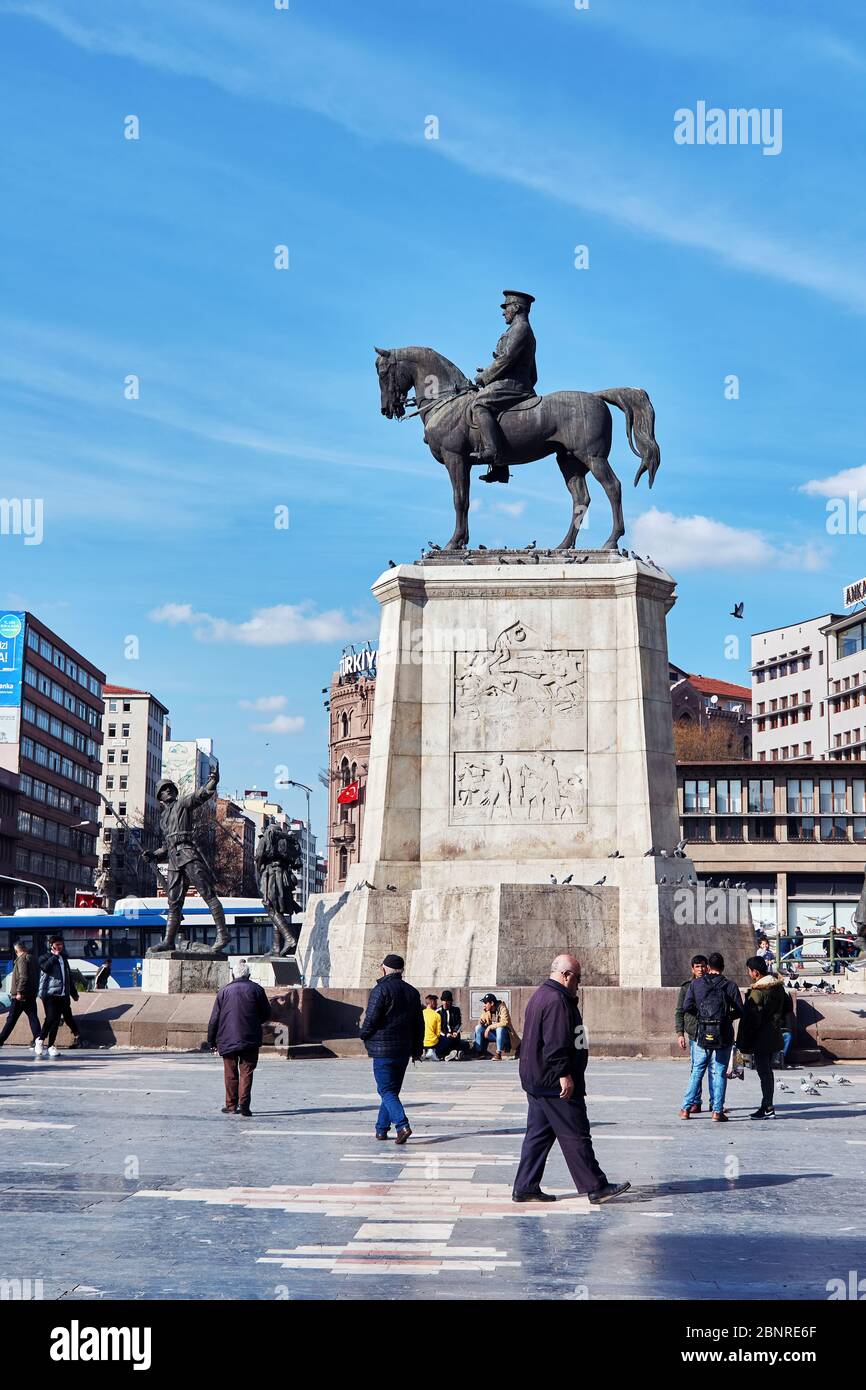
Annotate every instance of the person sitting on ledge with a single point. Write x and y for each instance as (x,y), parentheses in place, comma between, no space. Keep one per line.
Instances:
(495,1022)
(432,1027)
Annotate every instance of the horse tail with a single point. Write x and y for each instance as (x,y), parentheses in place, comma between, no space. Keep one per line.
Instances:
(640,418)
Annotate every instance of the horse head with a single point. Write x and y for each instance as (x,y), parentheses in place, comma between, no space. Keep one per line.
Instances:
(425,369)
(395,381)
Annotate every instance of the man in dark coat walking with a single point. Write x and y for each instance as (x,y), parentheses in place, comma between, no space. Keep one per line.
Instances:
(23,991)
(393,1032)
(235,1032)
(553,1058)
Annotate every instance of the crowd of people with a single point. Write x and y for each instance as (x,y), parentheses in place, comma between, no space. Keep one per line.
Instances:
(443,1030)
(398,1029)
(708,1007)
(49,979)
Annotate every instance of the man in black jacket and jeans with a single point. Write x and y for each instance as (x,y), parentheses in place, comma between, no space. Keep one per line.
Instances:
(393,1032)
(553,1057)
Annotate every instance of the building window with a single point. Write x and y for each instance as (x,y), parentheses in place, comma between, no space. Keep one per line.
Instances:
(833,828)
(851,640)
(696,832)
(832,795)
(729,795)
(727,830)
(761,794)
(696,796)
(343,866)
(762,830)
(801,829)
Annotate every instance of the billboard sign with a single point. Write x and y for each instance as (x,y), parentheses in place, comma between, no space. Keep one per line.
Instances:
(854,593)
(11,668)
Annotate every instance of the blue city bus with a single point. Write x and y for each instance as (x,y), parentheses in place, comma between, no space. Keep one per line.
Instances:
(123,936)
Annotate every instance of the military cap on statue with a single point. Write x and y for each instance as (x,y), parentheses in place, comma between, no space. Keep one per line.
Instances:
(517,297)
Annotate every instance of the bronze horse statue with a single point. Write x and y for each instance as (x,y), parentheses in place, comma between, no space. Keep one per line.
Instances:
(575,425)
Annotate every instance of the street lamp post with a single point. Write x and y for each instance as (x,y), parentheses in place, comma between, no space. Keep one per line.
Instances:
(308,856)
(30,884)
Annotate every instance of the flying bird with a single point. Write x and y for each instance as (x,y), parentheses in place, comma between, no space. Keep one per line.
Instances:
(736,611)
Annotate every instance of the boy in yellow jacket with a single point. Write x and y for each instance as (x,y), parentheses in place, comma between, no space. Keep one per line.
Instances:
(432,1027)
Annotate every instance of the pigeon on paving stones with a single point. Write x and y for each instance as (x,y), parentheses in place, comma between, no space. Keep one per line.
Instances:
(840,1080)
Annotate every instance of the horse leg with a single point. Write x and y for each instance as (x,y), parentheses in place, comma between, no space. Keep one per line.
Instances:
(574,473)
(459,473)
(602,471)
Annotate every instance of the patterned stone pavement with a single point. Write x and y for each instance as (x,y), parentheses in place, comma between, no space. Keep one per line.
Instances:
(119,1178)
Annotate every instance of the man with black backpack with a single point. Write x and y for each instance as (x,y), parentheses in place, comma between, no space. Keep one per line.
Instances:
(715,1003)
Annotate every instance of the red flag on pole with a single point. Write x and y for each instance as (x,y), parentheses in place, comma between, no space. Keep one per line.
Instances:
(349,794)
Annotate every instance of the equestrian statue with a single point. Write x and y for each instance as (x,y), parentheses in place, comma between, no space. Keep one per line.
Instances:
(499,421)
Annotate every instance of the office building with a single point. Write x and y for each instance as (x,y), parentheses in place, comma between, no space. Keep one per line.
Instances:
(50,762)
(133,730)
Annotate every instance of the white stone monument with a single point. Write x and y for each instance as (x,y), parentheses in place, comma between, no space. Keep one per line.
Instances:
(522,735)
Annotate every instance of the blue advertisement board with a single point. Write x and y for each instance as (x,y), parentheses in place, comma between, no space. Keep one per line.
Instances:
(11,666)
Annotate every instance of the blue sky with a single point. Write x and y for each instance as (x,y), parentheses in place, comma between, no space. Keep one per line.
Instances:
(306,127)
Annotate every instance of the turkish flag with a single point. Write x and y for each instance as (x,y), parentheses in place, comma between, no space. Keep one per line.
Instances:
(349,794)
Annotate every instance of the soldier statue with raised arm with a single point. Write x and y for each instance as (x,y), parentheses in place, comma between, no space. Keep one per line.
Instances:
(187,866)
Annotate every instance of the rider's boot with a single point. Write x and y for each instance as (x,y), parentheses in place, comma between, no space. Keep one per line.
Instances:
(493,446)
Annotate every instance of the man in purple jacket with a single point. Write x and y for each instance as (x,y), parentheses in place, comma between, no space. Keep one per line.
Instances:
(553,1057)
(235,1032)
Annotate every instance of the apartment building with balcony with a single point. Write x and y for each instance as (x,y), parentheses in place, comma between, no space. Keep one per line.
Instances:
(809,690)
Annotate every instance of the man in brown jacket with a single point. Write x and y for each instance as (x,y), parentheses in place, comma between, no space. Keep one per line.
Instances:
(25,977)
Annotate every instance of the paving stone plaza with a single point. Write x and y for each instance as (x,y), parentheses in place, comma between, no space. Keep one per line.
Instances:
(121,1179)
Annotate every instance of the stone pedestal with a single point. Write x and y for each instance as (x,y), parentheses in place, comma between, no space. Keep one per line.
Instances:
(175,972)
(522,735)
(269,971)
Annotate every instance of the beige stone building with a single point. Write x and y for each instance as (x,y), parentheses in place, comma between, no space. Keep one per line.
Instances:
(133,727)
(795,836)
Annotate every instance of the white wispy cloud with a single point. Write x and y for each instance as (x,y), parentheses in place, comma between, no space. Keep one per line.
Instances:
(278,626)
(370,94)
(510,508)
(265,703)
(281,724)
(838,484)
(700,542)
